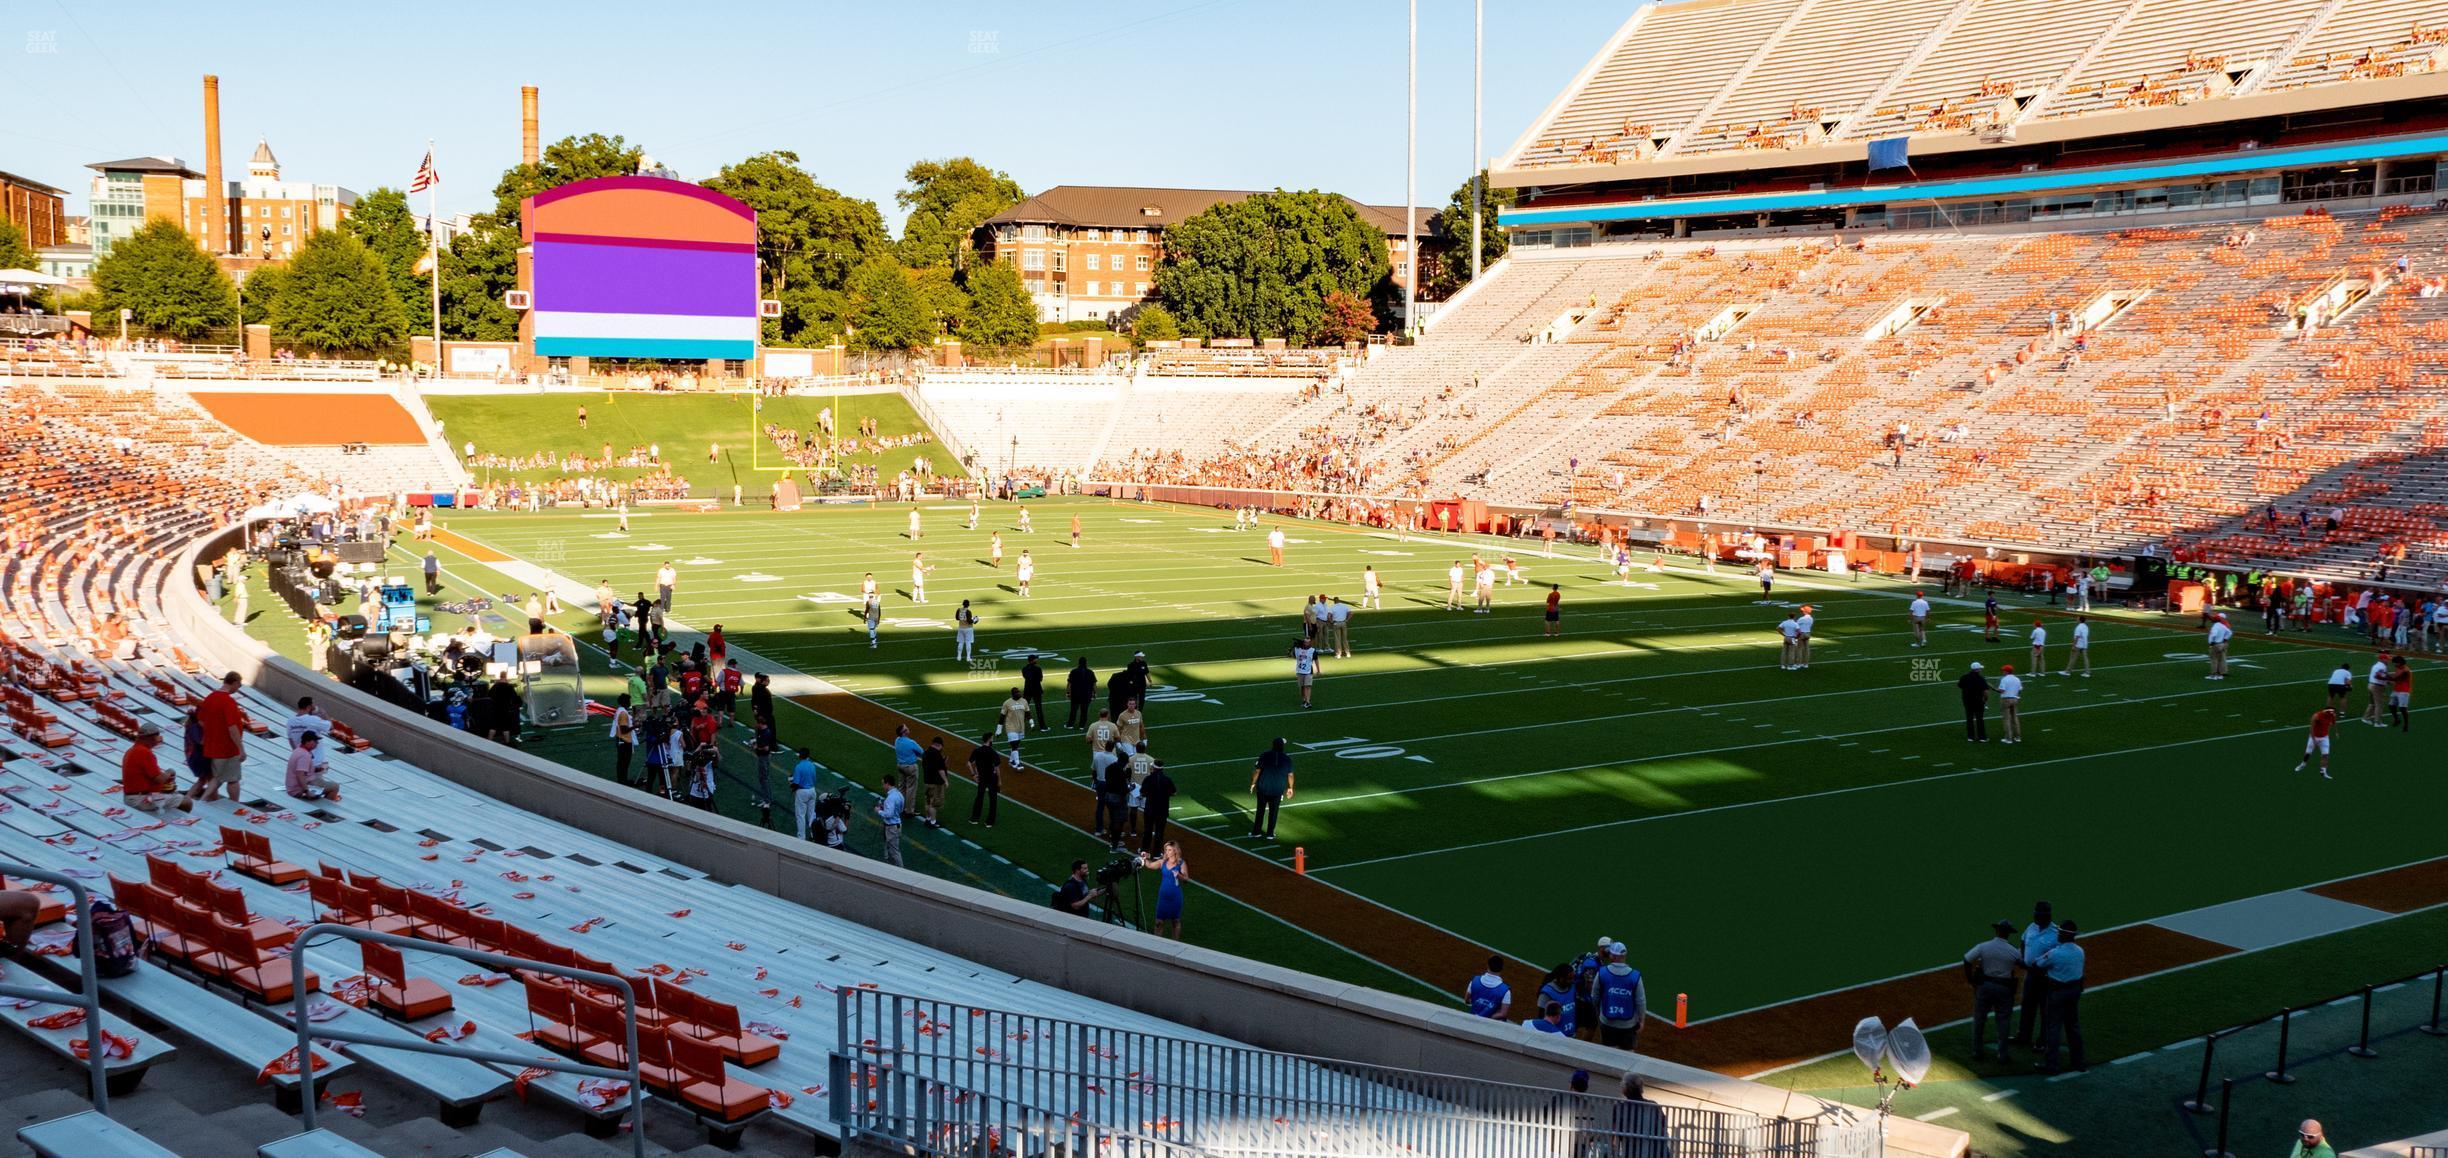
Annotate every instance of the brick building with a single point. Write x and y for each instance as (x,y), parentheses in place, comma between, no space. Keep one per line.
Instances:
(1089,252)
(34,208)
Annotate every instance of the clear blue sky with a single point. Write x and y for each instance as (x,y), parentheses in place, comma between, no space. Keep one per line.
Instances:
(1217,93)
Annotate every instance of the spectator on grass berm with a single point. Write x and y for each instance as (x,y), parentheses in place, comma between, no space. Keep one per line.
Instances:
(1082,686)
(142,783)
(1990,969)
(906,754)
(2061,1019)
(1155,807)
(2038,938)
(1487,995)
(1975,689)
(2311,1141)
(1271,783)
(1622,1000)
(986,768)
(223,727)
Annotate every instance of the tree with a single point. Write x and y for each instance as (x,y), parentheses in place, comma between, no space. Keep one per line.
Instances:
(1154,323)
(336,297)
(886,311)
(947,200)
(169,284)
(14,252)
(1348,319)
(1450,229)
(477,269)
(260,289)
(941,299)
(568,159)
(810,238)
(1002,315)
(384,224)
(1261,267)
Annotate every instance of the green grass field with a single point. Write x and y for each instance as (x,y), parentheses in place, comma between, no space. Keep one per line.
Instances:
(684,425)
(1755,834)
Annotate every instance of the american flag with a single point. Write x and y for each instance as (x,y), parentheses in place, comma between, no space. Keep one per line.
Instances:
(425,175)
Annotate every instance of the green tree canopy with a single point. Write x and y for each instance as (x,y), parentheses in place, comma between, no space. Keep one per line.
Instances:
(260,289)
(1450,228)
(336,297)
(810,238)
(1002,315)
(942,299)
(886,309)
(1261,267)
(566,160)
(947,200)
(477,269)
(169,284)
(14,252)
(1154,323)
(383,223)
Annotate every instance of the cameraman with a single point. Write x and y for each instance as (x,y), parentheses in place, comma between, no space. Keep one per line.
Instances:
(1075,897)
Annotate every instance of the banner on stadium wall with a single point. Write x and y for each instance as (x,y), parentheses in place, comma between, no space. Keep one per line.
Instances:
(641,267)
(790,364)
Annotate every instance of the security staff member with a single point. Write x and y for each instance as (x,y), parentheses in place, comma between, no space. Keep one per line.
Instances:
(1990,968)
(1032,688)
(1082,686)
(2038,938)
(2062,1017)
(1975,689)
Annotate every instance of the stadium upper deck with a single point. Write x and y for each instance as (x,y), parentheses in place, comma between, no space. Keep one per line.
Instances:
(1724,113)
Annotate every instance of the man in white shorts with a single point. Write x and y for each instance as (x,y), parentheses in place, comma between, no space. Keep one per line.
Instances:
(867,588)
(964,632)
(1512,571)
(1792,632)
(913,526)
(2079,656)
(1369,595)
(918,573)
(1027,572)
(1026,527)
(1920,619)
(1453,586)
(2316,743)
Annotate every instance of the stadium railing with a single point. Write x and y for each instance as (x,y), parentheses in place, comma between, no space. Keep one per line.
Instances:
(1225,1098)
(911,1114)
(2201,1102)
(89,982)
(945,435)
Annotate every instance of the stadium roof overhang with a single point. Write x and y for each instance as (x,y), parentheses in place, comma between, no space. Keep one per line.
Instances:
(2013,184)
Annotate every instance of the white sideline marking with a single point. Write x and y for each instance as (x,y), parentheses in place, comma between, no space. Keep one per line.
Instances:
(2067,1076)
(1934,1115)
(2130,1058)
(2000,1096)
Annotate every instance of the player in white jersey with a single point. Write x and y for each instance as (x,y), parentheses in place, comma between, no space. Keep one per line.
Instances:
(1802,644)
(1512,570)
(2220,633)
(913,525)
(1919,613)
(1793,633)
(1453,586)
(964,632)
(1027,571)
(1623,565)
(1026,527)
(2010,704)
(2079,656)
(1487,590)
(1368,588)
(2039,646)
(973,513)
(994,551)
(1304,666)
(918,573)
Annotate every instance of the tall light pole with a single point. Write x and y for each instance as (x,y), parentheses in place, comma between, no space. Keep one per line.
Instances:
(1411,187)
(1478,159)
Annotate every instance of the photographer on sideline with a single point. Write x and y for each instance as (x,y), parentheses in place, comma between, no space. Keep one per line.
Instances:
(1075,897)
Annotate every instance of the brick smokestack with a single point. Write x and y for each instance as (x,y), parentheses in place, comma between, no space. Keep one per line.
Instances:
(527,124)
(216,195)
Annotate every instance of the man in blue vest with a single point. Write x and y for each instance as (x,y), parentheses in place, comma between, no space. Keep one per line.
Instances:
(1487,994)
(2038,938)
(1622,1000)
(1585,978)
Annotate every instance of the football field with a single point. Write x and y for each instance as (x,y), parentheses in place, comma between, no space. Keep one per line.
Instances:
(1755,835)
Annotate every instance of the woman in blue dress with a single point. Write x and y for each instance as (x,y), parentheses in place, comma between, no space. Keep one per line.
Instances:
(1174,870)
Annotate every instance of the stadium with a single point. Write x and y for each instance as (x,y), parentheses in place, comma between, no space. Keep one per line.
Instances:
(1919,539)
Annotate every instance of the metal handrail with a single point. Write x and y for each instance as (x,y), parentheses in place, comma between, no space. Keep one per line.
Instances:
(89,982)
(1297,1103)
(306,1034)
(929,1117)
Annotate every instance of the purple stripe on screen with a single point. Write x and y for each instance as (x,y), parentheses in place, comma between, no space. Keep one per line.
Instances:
(629,280)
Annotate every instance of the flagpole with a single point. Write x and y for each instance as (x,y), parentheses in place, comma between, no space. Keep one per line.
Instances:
(433,257)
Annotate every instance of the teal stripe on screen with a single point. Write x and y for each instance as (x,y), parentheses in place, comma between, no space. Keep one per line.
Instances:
(643,348)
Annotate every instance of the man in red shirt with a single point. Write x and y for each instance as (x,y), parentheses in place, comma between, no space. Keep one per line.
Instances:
(142,783)
(2324,722)
(224,724)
